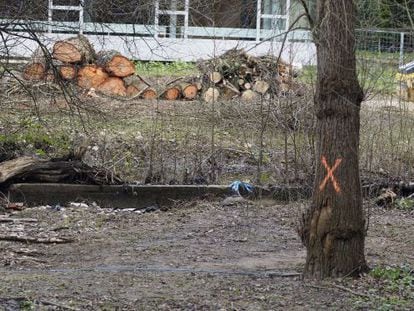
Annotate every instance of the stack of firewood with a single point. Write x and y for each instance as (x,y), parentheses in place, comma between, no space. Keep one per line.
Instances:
(107,72)
(238,74)
(235,74)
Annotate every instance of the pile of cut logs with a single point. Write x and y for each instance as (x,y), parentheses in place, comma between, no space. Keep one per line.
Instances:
(235,74)
(108,72)
(238,74)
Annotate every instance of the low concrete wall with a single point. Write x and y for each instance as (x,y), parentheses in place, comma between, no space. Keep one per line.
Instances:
(141,197)
(127,196)
(168,49)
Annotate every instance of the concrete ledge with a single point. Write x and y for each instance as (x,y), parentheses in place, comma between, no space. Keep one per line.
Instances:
(137,196)
(128,196)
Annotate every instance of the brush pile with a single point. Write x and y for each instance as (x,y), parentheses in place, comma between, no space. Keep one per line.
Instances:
(238,74)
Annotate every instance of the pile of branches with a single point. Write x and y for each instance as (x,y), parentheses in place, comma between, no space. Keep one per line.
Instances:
(238,74)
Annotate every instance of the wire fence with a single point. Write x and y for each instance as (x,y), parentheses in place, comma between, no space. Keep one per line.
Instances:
(397,46)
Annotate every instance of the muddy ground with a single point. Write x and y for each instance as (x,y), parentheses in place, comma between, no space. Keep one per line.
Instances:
(194,256)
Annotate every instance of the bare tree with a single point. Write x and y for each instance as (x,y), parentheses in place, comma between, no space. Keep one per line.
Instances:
(333,228)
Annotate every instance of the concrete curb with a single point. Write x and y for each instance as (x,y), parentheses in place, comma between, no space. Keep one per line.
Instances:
(133,196)
(125,196)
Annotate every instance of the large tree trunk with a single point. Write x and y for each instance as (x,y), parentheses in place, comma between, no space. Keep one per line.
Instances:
(333,228)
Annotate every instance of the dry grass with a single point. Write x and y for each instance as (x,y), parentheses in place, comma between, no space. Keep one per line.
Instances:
(190,142)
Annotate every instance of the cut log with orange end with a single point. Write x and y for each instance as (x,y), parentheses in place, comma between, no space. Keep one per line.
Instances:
(171,93)
(132,91)
(189,91)
(115,64)
(112,86)
(37,68)
(34,71)
(91,76)
(74,50)
(67,72)
(149,93)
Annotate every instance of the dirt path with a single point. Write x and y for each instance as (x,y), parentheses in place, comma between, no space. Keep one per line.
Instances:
(197,256)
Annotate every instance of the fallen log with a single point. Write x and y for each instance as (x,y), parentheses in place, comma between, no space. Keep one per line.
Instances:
(27,169)
(115,64)
(112,86)
(91,76)
(11,168)
(37,68)
(74,50)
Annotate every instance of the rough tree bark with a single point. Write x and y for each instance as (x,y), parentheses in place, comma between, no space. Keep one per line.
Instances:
(333,227)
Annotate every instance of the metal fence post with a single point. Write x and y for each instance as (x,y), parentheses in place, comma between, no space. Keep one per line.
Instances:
(49,16)
(258,19)
(186,17)
(402,35)
(156,18)
(81,21)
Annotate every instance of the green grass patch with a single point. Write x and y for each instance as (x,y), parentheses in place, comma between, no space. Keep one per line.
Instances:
(389,288)
(406,204)
(374,77)
(35,137)
(165,69)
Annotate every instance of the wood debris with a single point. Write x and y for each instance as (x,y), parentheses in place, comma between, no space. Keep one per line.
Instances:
(235,74)
(238,74)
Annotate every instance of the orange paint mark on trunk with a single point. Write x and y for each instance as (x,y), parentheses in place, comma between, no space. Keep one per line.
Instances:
(330,175)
